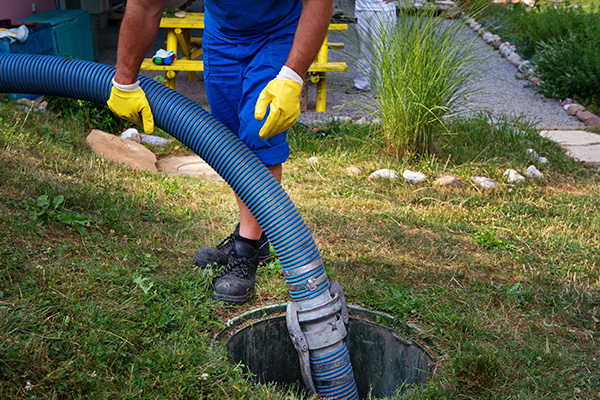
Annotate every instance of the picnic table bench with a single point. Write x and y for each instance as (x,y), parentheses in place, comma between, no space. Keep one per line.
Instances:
(188,54)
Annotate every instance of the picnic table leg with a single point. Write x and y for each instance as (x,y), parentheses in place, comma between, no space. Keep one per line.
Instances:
(321,92)
(172,45)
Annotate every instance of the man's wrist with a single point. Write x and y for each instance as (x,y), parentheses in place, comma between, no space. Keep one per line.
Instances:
(126,88)
(289,74)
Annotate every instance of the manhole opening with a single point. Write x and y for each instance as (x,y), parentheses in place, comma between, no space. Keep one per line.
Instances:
(385,362)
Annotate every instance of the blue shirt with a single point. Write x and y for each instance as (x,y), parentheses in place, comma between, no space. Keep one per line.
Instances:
(242,21)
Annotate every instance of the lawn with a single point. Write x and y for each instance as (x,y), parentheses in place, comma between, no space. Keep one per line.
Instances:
(99,297)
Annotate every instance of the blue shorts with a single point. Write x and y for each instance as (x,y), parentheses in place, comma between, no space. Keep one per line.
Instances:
(234,76)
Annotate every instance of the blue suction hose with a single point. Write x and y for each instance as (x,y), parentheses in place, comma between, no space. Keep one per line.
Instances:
(317,315)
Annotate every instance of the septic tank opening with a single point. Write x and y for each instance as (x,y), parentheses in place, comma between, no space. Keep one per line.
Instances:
(384,361)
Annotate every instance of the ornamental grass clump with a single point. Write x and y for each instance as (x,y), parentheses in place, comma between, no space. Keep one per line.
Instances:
(420,72)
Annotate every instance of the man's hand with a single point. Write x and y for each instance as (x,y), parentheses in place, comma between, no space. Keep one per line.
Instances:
(129,102)
(282,94)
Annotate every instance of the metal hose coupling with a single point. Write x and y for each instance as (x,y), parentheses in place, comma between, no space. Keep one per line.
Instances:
(317,327)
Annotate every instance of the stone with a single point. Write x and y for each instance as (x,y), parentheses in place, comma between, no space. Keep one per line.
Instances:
(353,171)
(592,121)
(384,174)
(584,115)
(414,177)
(514,58)
(497,42)
(573,109)
(524,66)
(505,50)
(532,154)
(154,140)
(126,152)
(131,134)
(513,177)
(536,157)
(448,181)
(190,165)
(533,172)
(483,182)
(180,14)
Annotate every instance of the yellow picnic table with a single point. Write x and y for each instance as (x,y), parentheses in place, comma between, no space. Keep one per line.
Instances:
(188,54)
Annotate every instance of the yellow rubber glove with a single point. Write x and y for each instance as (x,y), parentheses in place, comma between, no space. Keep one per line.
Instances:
(129,102)
(283,95)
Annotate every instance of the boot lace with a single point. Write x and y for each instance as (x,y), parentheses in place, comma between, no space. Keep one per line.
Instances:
(237,266)
(229,239)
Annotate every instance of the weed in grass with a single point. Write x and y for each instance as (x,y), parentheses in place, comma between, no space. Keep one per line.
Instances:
(488,238)
(42,210)
(477,370)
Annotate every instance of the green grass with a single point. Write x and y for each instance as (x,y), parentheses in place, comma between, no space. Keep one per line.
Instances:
(504,285)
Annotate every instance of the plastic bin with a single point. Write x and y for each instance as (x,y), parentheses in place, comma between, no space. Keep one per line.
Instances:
(71,31)
(39,41)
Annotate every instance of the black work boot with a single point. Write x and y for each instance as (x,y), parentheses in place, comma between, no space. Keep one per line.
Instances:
(235,281)
(206,256)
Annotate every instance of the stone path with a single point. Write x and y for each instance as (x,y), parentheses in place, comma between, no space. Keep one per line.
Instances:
(581,145)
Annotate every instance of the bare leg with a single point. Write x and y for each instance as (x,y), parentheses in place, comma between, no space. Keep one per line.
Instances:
(249,227)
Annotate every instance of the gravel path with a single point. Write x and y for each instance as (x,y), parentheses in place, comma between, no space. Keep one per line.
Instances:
(503,90)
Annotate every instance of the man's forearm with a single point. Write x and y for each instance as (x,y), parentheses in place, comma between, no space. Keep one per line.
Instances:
(312,28)
(138,30)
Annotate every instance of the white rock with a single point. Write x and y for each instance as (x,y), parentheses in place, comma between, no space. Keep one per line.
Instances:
(384,174)
(486,36)
(533,172)
(313,160)
(532,154)
(448,181)
(477,27)
(514,59)
(131,134)
(505,50)
(483,182)
(536,157)
(352,170)
(414,177)
(154,140)
(513,177)
(524,66)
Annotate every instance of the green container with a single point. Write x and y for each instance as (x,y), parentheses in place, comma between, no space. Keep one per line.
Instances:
(71,32)
(385,362)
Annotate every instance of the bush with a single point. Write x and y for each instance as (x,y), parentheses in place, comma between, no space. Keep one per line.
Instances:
(561,40)
(420,71)
(569,68)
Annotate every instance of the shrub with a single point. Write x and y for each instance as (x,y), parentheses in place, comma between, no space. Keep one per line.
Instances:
(561,40)
(568,67)
(420,71)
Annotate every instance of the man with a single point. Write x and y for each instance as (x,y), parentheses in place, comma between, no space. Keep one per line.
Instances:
(376,21)
(256,54)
